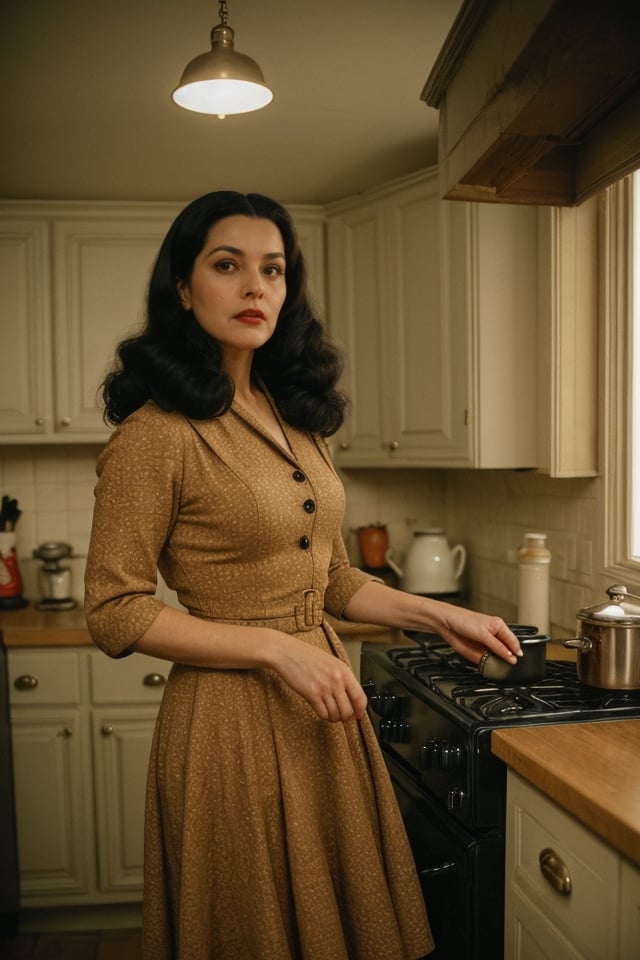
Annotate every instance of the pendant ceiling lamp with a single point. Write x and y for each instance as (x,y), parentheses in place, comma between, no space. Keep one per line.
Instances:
(222,81)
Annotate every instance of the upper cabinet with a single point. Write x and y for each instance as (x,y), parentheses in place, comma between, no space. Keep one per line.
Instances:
(73,280)
(435,306)
(539,102)
(387,311)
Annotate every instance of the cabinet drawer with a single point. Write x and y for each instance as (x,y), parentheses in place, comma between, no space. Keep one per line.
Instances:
(44,677)
(629,911)
(133,679)
(587,915)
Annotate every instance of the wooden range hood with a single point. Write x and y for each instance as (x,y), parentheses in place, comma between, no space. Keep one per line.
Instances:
(539,100)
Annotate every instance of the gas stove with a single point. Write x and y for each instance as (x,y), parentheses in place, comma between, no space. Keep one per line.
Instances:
(433,714)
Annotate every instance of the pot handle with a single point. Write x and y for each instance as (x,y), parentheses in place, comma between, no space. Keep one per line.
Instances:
(583,644)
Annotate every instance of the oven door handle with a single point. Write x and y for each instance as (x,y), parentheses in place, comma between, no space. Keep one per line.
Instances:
(427,873)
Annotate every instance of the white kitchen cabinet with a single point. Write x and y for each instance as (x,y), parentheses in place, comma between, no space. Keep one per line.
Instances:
(570,270)
(596,918)
(101,271)
(76,276)
(81,729)
(50,757)
(435,306)
(124,705)
(387,312)
(73,279)
(25,311)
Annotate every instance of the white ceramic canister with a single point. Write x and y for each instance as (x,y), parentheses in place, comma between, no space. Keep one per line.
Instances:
(533,582)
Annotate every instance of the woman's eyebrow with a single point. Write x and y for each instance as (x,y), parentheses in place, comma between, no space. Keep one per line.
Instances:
(236,250)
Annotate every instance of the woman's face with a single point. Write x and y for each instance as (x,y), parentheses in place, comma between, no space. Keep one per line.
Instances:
(237,285)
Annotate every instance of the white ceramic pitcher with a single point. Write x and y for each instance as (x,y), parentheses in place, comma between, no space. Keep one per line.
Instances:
(431,565)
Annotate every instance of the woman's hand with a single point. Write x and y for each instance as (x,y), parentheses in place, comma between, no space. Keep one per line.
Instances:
(324,681)
(470,633)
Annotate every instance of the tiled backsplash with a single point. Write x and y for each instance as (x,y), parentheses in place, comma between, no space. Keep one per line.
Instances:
(54,489)
(488,511)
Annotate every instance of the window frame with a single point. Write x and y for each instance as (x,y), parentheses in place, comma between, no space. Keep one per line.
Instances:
(617,333)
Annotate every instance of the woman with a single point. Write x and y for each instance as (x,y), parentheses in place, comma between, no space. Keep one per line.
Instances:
(272,831)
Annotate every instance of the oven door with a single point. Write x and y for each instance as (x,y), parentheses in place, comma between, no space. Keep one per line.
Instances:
(462,875)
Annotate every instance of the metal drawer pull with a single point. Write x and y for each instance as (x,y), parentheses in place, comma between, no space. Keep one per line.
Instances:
(154,680)
(106,730)
(555,871)
(26,682)
(67,732)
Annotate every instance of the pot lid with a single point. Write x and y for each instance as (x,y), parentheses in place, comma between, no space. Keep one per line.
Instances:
(618,609)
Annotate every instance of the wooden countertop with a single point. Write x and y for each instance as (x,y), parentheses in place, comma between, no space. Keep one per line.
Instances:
(590,769)
(30,627)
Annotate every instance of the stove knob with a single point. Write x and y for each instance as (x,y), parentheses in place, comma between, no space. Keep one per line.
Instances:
(455,799)
(451,756)
(428,754)
(395,731)
(386,704)
(369,688)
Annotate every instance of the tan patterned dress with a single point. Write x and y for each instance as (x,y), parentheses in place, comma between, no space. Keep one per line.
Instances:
(270,833)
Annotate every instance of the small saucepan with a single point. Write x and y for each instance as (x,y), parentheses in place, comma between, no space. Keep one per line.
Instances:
(608,642)
(529,668)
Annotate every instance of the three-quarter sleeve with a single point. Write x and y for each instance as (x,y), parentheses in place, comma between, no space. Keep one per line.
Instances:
(344,580)
(136,501)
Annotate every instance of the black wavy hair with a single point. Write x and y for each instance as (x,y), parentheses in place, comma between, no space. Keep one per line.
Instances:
(177,365)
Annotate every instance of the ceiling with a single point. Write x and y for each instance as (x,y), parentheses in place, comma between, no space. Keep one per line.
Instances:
(86,112)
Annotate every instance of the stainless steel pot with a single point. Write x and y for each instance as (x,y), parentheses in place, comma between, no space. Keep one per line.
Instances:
(608,642)
(530,667)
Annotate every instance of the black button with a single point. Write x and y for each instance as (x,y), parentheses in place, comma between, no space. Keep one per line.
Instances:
(309,506)
(304,543)
(299,476)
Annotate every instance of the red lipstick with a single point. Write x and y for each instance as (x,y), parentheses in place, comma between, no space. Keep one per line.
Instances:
(250,316)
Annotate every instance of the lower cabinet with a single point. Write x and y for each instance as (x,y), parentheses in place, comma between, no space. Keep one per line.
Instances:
(82,726)
(569,894)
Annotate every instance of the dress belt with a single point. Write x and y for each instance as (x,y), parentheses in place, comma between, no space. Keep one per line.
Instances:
(307,615)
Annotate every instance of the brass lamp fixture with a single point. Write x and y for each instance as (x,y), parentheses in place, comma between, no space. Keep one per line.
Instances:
(222,81)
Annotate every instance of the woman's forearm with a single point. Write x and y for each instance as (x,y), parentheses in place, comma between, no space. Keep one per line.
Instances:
(176,635)
(468,632)
(325,681)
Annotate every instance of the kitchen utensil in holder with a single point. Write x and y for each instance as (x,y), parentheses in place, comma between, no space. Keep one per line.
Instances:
(10,580)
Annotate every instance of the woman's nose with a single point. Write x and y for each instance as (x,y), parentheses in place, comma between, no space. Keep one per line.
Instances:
(255,286)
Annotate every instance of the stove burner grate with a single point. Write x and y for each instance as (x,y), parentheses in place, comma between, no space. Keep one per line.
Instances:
(443,672)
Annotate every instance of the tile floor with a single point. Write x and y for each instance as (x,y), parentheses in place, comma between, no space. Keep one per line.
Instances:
(92,945)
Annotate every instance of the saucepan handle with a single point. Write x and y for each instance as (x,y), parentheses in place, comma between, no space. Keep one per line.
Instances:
(583,644)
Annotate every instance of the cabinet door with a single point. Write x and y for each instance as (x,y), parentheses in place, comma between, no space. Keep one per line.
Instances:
(542,921)
(100,281)
(629,944)
(55,846)
(310,228)
(25,316)
(423,413)
(358,306)
(121,742)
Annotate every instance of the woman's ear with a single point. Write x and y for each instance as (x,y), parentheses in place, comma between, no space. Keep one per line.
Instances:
(183,293)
